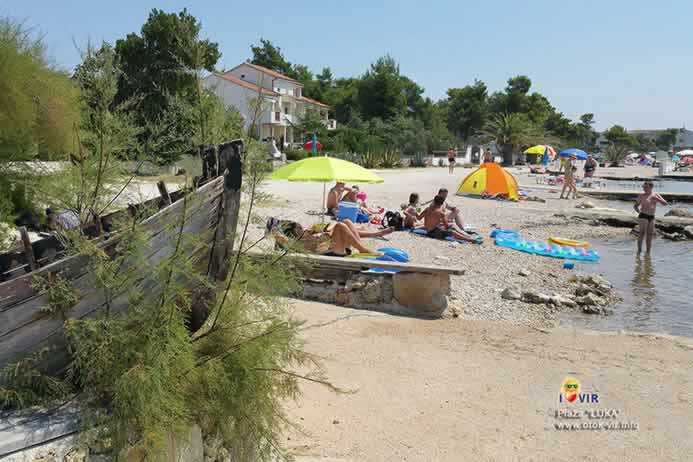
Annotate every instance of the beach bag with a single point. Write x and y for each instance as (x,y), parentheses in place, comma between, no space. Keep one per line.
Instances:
(393,220)
(362,218)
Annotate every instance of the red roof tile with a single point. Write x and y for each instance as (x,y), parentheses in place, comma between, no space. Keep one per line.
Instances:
(312,101)
(248,85)
(267,71)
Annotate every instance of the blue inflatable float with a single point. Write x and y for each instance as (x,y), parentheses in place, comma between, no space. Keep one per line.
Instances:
(513,240)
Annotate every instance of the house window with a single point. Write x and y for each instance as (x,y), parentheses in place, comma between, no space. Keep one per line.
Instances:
(286,109)
(297,92)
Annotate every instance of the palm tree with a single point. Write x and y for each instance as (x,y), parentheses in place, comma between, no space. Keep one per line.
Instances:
(615,154)
(509,131)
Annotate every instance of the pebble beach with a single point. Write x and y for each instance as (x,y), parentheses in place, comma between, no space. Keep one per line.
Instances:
(488,269)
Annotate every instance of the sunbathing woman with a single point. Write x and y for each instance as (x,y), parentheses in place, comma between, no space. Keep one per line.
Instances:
(341,236)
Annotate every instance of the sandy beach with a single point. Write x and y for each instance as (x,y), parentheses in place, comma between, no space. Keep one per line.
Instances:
(468,387)
(453,389)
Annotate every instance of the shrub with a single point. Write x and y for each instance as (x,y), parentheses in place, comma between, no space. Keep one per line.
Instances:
(418,160)
(348,156)
(390,159)
(296,154)
(371,159)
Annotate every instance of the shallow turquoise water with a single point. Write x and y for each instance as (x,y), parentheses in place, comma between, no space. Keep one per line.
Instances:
(659,185)
(657,291)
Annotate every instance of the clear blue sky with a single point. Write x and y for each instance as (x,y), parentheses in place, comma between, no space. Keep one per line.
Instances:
(628,62)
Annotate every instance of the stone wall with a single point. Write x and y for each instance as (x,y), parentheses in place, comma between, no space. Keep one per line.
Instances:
(415,294)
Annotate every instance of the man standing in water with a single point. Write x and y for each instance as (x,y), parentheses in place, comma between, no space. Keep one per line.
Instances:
(646,206)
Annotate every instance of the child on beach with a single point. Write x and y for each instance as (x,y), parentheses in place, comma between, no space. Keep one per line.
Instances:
(569,182)
(411,211)
(437,226)
(359,197)
(646,206)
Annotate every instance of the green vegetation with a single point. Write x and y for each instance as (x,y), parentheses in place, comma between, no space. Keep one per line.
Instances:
(386,110)
(37,100)
(137,368)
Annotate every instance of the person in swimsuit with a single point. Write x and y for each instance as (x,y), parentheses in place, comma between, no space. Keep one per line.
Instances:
(436,223)
(646,206)
(452,156)
(569,178)
(342,236)
(411,211)
(590,166)
(334,197)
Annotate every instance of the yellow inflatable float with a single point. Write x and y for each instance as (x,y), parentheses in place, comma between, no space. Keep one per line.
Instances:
(568,242)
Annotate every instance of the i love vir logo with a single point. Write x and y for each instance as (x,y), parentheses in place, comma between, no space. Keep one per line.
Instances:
(570,389)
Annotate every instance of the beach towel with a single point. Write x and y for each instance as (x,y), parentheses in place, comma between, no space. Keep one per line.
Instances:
(423,232)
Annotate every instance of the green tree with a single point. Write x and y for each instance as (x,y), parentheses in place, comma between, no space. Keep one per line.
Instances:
(161,67)
(38,102)
(517,90)
(587,120)
(271,57)
(381,91)
(514,98)
(645,143)
(512,131)
(620,143)
(539,109)
(107,135)
(618,135)
(467,109)
(585,134)
(667,139)
(342,97)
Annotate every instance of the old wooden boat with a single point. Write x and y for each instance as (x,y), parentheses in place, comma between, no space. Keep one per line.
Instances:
(211,212)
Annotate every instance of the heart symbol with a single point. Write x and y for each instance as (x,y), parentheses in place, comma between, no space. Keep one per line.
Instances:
(571,397)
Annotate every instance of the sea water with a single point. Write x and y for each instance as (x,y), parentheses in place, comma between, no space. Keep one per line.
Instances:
(657,291)
(662,186)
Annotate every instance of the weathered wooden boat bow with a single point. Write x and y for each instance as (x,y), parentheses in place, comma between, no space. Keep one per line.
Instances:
(24,327)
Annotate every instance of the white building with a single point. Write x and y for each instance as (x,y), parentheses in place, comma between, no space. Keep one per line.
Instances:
(274,101)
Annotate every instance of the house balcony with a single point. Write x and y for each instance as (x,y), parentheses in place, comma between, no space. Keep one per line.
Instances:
(280,118)
(291,119)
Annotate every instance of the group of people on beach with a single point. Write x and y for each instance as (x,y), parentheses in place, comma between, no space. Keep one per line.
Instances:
(437,217)
(440,219)
(569,168)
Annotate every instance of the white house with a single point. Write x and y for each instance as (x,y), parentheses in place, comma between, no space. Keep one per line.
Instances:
(274,101)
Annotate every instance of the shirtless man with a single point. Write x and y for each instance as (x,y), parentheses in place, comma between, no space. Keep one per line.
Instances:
(453,212)
(436,222)
(334,196)
(646,206)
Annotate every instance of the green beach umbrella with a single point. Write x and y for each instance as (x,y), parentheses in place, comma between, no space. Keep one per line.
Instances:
(325,169)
